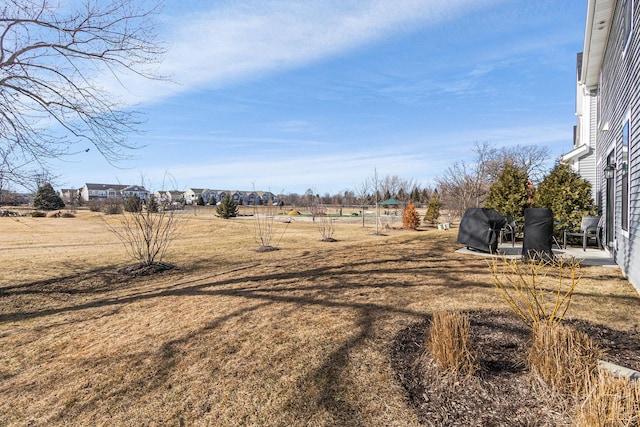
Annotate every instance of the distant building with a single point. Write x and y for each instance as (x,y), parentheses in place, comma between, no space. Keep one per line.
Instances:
(69,195)
(105,191)
(169,196)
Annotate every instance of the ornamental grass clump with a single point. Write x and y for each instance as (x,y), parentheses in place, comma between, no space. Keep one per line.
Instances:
(536,291)
(564,359)
(449,342)
(610,401)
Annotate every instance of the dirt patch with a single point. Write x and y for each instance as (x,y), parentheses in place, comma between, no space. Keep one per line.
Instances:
(503,393)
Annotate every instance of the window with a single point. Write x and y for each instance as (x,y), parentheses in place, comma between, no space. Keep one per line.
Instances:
(624,182)
(627,23)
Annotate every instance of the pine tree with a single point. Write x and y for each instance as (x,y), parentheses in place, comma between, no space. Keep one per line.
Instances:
(567,194)
(133,204)
(510,194)
(152,204)
(415,195)
(200,201)
(410,218)
(47,199)
(227,208)
(433,209)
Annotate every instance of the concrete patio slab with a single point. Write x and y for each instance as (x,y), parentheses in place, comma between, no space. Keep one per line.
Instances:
(592,256)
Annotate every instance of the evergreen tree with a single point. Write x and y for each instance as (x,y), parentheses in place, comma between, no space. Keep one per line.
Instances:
(410,218)
(567,194)
(200,201)
(47,199)
(415,195)
(510,194)
(227,207)
(433,209)
(133,204)
(152,204)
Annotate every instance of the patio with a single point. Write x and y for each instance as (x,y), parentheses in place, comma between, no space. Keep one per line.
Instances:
(592,256)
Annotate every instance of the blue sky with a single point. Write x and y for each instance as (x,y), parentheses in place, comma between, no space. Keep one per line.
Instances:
(294,95)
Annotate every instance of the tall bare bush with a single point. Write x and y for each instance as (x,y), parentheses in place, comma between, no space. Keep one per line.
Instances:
(537,291)
(146,235)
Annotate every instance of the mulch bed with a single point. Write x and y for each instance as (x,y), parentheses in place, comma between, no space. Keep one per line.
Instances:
(139,270)
(503,392)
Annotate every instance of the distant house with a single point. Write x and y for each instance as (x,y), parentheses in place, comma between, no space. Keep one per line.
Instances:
(105,191)
(169,196)
(609,78)
(210,197)
(69,195)
(135,190)
(247,198)
(266,198)
(192,194)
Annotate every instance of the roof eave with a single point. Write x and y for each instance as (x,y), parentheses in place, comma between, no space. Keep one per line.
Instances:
(597,27)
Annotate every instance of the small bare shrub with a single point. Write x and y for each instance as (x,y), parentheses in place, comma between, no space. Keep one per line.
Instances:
(112,206)
(564,359)
(94,206)
(146,235)
(327,228)
(537,291)
(610,402)
(263,228)
(448,340)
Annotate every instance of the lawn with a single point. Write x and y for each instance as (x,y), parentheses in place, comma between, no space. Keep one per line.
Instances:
(299,336)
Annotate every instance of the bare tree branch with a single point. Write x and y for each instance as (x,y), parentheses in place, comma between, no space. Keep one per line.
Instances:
(51,56)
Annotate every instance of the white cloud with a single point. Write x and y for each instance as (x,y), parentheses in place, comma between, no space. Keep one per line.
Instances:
(239,40)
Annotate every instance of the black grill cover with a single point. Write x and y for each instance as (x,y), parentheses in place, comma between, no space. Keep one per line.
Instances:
(538,234)
(480,228)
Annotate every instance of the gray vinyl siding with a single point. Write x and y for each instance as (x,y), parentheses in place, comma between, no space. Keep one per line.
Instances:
(587,164)
(620,96)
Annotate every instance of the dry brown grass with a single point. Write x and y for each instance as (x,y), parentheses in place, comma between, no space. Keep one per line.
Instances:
(299,336)
(563,358)
(610,402)
(449,343)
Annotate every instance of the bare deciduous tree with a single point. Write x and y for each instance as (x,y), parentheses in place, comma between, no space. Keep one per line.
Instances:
(397,187)
(363,196)
(51,56)
(466,185)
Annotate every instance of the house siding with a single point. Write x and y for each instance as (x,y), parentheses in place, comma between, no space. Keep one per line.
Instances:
(620,99)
